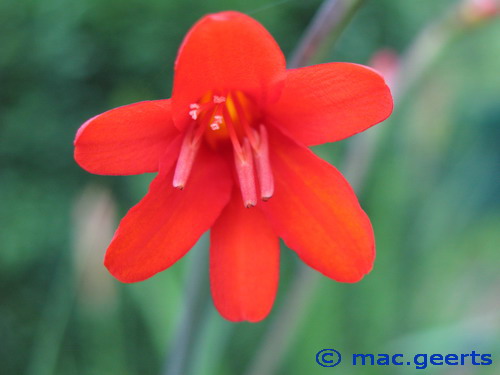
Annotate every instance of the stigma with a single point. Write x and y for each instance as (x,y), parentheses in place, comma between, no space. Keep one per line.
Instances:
(233,120)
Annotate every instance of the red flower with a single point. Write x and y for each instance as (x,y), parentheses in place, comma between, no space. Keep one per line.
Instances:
(234,136)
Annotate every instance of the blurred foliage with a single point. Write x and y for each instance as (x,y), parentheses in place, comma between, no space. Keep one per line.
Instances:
(432,194)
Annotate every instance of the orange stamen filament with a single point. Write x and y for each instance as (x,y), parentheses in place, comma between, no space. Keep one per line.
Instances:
(232,133)
(244,121)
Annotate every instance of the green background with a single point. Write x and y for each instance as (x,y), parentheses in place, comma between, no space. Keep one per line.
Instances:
(431,189)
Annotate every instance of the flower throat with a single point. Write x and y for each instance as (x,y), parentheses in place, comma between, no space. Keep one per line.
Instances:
(229,118)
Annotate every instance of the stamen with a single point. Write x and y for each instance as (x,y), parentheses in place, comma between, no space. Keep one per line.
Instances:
(194,114)
(246,176)
(217,122)
(189,150)
(264,171)
(219,99)
(195,110)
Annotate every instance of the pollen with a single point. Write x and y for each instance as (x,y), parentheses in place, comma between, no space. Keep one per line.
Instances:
(215,125)
(194,111)
(194,114)
(219,99)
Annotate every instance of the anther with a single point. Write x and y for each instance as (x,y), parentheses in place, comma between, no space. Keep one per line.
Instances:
(217,122)
(219,99)
(194,110)
(244,169)
(194,114)
(189,150)
(264,171)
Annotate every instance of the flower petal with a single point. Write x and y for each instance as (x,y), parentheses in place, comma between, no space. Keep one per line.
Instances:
(226,51)
(329,102)
(167,222)
(317,214)
(244,263)
(126,140)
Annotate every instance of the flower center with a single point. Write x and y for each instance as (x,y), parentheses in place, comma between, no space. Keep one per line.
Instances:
(231,119)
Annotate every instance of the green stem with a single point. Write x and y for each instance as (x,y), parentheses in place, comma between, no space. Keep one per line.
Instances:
(324,31)
(279,337)
(194,303)
(53,321)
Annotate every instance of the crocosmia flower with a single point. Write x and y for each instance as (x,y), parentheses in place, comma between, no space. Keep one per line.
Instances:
(231,151)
